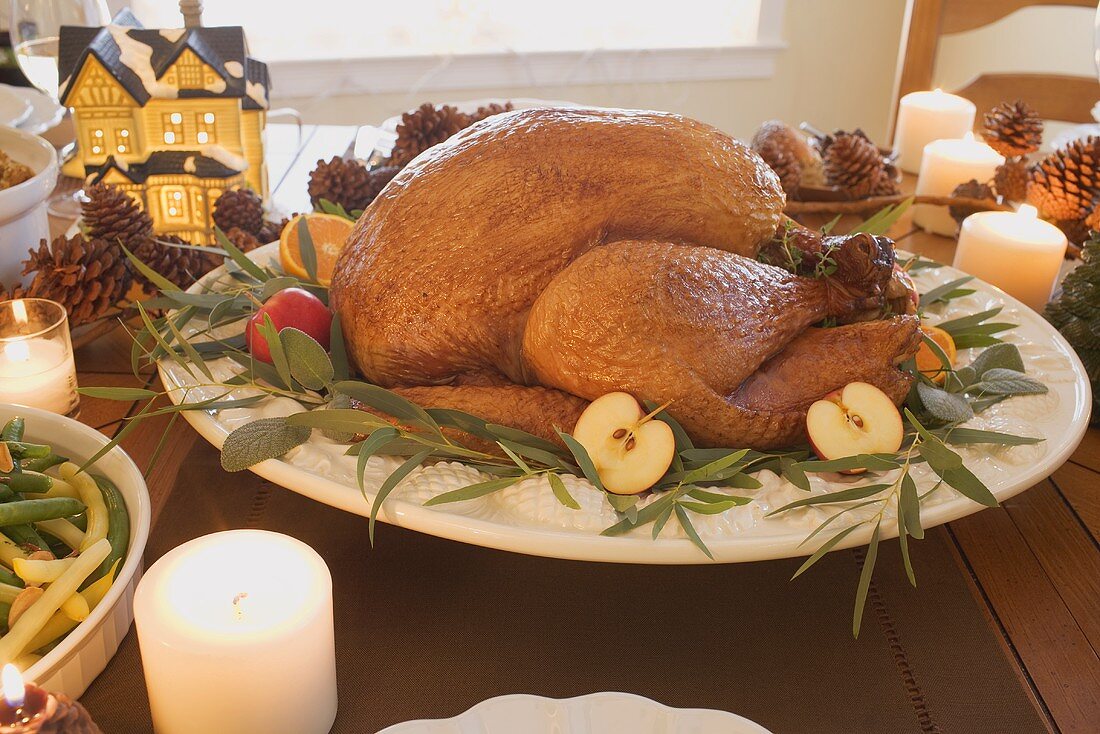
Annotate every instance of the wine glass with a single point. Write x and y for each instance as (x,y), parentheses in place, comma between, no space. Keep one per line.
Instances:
(35,27)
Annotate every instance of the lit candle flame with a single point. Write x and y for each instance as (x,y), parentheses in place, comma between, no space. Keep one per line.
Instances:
(1027,211)
(237,610)
(14,690)
(19,311)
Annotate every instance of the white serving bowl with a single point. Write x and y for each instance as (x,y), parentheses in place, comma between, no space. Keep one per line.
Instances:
(23,220)
(72,666)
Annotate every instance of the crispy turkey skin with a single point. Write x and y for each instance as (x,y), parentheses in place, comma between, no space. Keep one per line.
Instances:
(582,251)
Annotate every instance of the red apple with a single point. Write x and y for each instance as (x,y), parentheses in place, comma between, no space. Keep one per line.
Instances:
(294,307)
(860,419)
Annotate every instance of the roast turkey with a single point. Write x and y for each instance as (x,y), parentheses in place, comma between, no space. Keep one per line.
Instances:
(543,257)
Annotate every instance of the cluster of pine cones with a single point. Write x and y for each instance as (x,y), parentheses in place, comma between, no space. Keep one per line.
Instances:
(1064,186)
(348,183)
(845,161)
(89,273)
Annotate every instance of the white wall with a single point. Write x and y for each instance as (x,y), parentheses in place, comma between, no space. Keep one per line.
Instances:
(837,71)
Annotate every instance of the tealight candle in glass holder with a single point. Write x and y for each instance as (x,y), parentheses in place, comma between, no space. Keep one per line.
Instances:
(36,356)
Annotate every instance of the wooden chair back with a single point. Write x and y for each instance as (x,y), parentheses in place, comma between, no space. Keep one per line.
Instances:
(1054,96)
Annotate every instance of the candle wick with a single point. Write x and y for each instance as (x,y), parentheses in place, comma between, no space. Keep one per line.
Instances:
(237,604)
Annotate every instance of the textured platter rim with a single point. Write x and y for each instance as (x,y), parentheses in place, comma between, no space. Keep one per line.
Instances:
(579,545)
(475,715)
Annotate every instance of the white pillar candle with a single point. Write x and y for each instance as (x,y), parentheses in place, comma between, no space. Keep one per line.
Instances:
(36,356)
(236,635)
(945,165)
(1015,251)
(927,116)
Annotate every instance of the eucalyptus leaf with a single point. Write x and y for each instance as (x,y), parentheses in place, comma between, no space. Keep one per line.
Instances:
(274,285)
(473,491)
(646,515)
(965,323)
(909,507)
(624,503)
(163,284)
(864,585)
(708,508)
(561,493)
(266,438)
(871,462)
(967,484)
(515,457)
(308,361)
(683,441)
(583,460)
(389,403)
(965,436)
(824,548)
(794,473)
(306,248)
(390,483)
(662,520)
(117,393)
(709,470)
(843,495)
(337,350)
(689,528)
(943,292)
(239,258)
(270,334)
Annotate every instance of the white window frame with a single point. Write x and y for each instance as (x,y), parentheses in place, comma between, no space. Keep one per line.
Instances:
(302,78)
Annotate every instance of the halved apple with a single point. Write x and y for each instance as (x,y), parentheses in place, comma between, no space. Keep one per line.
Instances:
(859,419)
(629,448)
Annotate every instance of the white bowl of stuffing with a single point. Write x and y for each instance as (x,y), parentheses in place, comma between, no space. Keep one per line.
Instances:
(67,580)
(28,175)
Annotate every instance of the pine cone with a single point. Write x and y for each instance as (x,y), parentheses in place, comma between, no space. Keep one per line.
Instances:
(111,214)
(974,190)
(785,165)
(271,231)
(852,163)
(180,265)
(488,111)
(244,241)
(1011,179)
(240,208)
(1012,129)
(1093,219)
(889,184)
(343,182)
(426,126)
(88,277)
(1066,184)
(1076,230)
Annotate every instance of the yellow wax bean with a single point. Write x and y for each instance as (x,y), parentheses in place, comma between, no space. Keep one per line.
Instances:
(60,624)
(60,488)
(76,608)
(41,572)
(8,593)
(31,622)
(96,508)
(9,551)
(64,531)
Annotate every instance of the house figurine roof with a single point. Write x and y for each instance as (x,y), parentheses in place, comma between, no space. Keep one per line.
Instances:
(138,57)
(166,163)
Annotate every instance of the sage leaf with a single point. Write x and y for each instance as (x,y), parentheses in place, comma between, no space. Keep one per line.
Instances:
(944,406)
(308,361)
(561,493)
(1002,381)
(1004,356)
(275,285)
(266,438)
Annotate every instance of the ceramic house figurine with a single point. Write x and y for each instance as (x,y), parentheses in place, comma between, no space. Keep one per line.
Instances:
(174,117)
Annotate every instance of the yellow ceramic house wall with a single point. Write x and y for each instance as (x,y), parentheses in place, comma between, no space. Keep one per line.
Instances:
(109,122)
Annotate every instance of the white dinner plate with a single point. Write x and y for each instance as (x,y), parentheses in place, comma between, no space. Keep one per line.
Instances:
(14,109)
(44,112)
(598,713)
(526,517)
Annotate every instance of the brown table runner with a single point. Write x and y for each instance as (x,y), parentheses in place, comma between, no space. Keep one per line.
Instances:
(427,627)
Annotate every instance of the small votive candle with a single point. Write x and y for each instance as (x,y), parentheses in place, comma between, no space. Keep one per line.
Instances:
(36,356)
(1015,251)
(27,709)
(946,164)
(927,116)
(236,635)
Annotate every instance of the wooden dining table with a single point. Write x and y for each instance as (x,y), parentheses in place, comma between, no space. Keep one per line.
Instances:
(1032,564)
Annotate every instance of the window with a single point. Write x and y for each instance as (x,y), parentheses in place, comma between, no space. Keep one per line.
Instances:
(173,128)
(190,75)
(174,204)
(97,142)
(205,124)
(122,140)
(442,44)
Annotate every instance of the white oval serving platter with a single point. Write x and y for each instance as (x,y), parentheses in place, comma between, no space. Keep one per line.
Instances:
(597,713)
(526,518)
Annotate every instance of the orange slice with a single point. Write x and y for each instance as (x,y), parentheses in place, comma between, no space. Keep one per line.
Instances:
(329,234)
(927,362)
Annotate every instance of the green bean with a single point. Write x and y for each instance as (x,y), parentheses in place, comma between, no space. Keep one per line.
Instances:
(21,512)
(13,431)
(31,482)
(22,450)
(118,528)
(81,521)
(42,463)
(5,610)
(6,495)
(9,578)
(26,535)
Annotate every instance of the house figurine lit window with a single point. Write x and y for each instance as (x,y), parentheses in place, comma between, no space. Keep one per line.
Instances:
(174,117)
